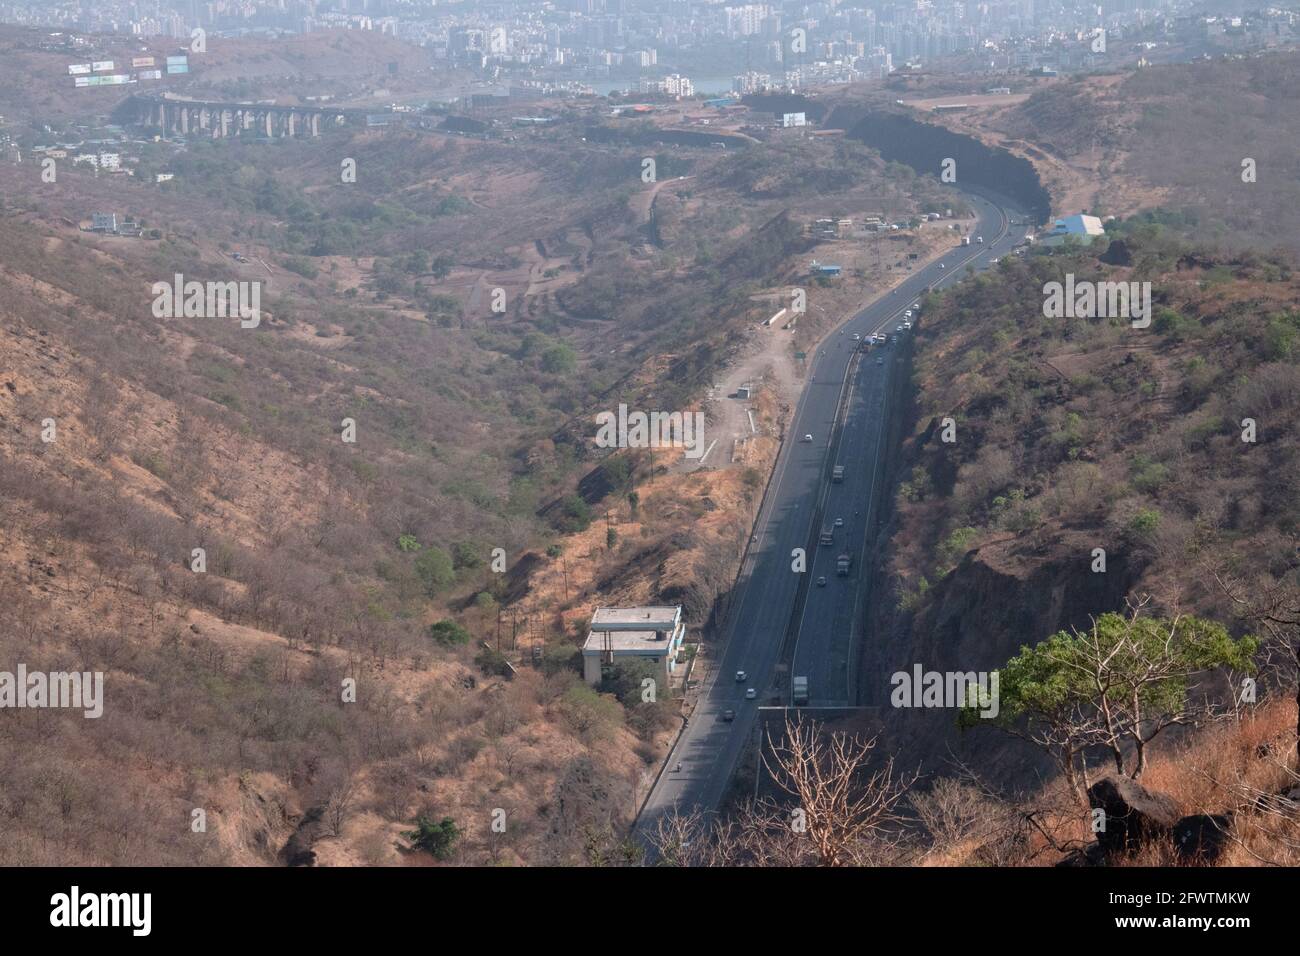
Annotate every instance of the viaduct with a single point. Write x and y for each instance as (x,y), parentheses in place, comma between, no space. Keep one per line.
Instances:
(198,117)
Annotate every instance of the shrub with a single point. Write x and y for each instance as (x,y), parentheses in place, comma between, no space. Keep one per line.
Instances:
(435,570)
(437,839)
(448,633)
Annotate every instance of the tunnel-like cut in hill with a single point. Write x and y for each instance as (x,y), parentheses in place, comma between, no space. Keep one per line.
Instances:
(924,146)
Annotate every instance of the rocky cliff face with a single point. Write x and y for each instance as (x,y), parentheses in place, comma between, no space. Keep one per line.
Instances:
(977,617)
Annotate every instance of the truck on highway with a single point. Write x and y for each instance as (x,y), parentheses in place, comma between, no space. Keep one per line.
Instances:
(799,691)
(965,240)
(837,474)
(827,536)
(843,563)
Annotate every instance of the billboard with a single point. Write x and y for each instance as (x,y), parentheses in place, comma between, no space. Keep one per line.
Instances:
(177,68)
(101,66)
(78,69)
(116,79)
(142,61)
(793,119)
(149,75)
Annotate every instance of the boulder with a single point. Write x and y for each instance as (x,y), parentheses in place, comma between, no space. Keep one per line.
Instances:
(1091,855)
(1134,816)
(1202,837)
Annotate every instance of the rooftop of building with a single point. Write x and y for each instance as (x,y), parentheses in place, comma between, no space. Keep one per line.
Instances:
(647,642)
(651,617)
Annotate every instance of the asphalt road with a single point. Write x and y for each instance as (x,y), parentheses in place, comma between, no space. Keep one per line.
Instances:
(702,762)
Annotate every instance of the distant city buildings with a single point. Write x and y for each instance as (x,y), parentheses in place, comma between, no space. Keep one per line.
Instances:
(642,45)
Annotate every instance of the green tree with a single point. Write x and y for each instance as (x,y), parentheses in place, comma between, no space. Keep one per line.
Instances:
(573,514)
(559,359)
(435,570)
(437,839)
(448,633)
(588,714)
(441,267)
(465,554)
(624,680)
(1117,685)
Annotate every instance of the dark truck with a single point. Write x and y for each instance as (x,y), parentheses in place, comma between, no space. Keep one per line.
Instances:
(837,474)
(843,563)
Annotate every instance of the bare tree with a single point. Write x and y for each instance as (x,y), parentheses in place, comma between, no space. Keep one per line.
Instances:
(843,812)
(844,804)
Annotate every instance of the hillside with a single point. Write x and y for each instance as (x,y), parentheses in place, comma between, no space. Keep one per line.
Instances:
(1078,434)
(325,561)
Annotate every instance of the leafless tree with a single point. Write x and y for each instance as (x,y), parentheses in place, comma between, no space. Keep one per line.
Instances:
(845,803)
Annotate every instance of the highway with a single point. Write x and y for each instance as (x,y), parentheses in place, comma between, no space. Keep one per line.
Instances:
(704,759)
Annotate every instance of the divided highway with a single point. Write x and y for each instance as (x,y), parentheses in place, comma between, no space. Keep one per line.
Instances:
(704,759)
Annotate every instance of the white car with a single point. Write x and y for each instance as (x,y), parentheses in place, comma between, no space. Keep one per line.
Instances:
(907,325)
(839,522)
(979,238)
(751,694)
(942,266)
(807,438)
(740,677)
(856,337)
(899,329)
(908,313)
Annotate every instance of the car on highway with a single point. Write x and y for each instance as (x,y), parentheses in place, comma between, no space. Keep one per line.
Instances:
(839,522)
(751,694)
(942,265)
(856,337)
(728,714)
(880,361)
(979,238)
(821,581)
(899,329)
(807,438)
(740,677)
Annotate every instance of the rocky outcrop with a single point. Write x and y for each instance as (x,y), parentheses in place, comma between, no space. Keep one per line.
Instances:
(298,851)
(1132,816)
(1202,837)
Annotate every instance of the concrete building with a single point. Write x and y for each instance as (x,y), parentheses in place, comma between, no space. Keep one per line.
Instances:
(617,634)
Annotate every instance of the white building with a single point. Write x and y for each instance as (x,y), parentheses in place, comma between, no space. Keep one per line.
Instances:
(617,634)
